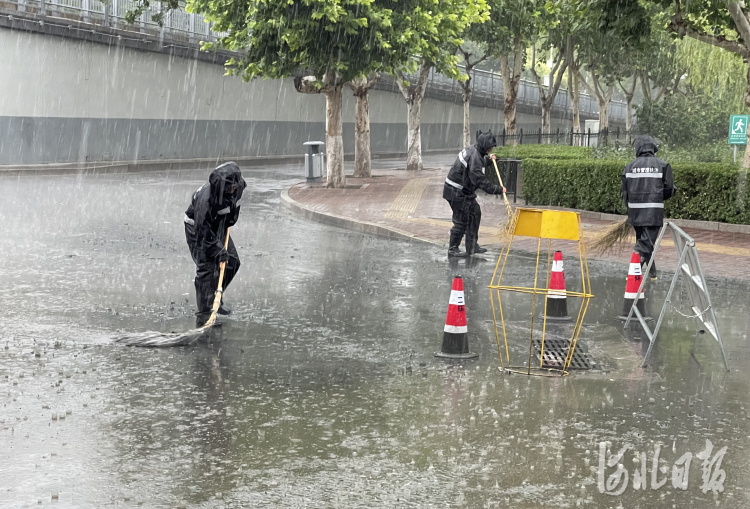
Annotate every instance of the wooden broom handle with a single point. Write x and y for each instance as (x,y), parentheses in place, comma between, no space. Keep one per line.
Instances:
(498,175)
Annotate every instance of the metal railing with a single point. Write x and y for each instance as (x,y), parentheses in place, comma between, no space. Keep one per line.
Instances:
(178,25)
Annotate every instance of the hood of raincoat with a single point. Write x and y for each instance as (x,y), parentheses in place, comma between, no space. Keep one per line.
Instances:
(645,145)
(221,179)
(485,141)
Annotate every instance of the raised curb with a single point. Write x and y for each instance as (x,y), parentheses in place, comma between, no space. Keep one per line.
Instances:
(348,224)
(682,223)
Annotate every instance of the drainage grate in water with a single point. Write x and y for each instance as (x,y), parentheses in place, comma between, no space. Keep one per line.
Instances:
(555,351)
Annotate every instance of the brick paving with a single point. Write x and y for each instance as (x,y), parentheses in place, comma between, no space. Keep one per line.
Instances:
(412,203)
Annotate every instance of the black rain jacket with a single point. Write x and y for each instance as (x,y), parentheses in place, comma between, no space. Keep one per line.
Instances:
(646,183)
(467,173)
(212,211)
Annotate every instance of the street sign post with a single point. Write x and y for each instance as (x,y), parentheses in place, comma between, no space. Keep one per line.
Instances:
(738,131)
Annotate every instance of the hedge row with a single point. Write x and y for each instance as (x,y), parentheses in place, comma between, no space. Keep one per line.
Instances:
(705,191)
(543,152)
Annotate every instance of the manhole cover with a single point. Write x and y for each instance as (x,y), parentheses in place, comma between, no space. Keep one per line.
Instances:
(555,351)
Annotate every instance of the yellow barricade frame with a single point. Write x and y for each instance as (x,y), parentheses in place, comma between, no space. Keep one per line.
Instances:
(550,225)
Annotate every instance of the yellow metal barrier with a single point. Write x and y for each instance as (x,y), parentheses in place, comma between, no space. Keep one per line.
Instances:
(550,225)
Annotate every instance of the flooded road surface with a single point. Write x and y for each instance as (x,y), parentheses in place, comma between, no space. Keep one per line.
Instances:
(321,390)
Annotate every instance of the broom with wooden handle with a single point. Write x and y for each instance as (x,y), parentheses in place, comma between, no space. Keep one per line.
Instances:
(613,238)
(508,209)
(160,339)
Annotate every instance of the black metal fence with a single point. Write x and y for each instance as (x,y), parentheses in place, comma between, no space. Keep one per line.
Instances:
(558,137)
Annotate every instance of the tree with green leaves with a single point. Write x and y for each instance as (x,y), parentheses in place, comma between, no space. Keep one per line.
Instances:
(516,22)
(333,41)
(480,44)
(432,30)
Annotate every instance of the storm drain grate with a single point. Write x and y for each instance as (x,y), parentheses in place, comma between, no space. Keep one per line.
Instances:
(555,351)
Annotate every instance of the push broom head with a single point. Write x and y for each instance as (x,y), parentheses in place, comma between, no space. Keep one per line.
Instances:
(613,237)
(162,340)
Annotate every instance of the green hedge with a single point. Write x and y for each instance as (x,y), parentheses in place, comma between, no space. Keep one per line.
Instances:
(705,191)
(543,152)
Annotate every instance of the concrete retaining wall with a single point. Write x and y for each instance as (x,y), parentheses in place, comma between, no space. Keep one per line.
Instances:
(66,100)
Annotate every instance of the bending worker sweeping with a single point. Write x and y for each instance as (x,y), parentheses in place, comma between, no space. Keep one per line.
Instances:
(214,208)
(465,176)
(646,183)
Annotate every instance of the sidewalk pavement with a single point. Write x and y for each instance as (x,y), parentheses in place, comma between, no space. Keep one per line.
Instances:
(410,205)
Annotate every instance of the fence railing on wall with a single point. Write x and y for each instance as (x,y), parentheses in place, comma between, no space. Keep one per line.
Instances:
(566,137)
(178,25)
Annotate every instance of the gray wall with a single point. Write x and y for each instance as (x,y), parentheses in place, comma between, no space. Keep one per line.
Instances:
(68,100)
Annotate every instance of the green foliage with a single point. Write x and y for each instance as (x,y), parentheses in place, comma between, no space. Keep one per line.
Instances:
(718,152)
(342,38)
(685,120)
(713,71)
(543,152)
(707,192)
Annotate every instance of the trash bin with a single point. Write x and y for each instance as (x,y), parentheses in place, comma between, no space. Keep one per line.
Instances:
(315,163)
(511,172)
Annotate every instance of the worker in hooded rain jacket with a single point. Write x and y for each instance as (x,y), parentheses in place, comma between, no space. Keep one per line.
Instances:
(646,183)
(214,208)
(465,176)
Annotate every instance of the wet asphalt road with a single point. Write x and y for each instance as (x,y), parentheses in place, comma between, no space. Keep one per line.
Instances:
(321,389)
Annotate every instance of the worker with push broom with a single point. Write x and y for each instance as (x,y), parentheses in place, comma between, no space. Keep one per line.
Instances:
(465,176)
(214,208)
(646,183)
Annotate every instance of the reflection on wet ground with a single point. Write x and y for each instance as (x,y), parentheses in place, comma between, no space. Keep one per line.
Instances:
(321,390)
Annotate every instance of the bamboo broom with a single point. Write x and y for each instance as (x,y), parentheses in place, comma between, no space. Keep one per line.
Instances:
(505,225)
(160,339)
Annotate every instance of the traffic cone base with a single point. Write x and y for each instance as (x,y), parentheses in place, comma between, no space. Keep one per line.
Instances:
(631,290)
(456,331)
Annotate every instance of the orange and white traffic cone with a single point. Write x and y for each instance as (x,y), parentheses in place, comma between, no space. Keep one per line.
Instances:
(456,331)
(557,302)
(631,288)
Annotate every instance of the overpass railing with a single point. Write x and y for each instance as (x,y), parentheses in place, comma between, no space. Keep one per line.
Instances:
(179,25)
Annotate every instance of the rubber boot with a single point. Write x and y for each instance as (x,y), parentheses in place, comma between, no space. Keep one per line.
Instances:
(479,249)
(455,252)
(225,309)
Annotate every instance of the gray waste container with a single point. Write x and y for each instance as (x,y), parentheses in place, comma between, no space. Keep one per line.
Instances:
(315,162)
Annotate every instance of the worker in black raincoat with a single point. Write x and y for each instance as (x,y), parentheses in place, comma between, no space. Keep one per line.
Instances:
(465,176)
(214,208)
(646,183)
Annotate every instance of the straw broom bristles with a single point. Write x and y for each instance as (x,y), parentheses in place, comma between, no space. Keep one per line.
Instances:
(507,223)
(613,237)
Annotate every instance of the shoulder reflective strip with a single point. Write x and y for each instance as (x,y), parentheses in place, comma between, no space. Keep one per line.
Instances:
(189,221)
(451,183)
(462,157)
(223,211)
(556,294)
(457,298)
(643,175)
(629,295)
(456,329)
(645,205)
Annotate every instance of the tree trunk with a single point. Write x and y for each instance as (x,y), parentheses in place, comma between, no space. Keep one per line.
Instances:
(510,93)
(362,158)
(628,118)
(334,141)
(575,101)
(466,96)
(603,113)
(414,141)
(546,120)
(414,115)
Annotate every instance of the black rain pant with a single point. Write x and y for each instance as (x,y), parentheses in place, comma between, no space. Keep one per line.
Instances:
(207,275)
(466,218)
(645,238)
